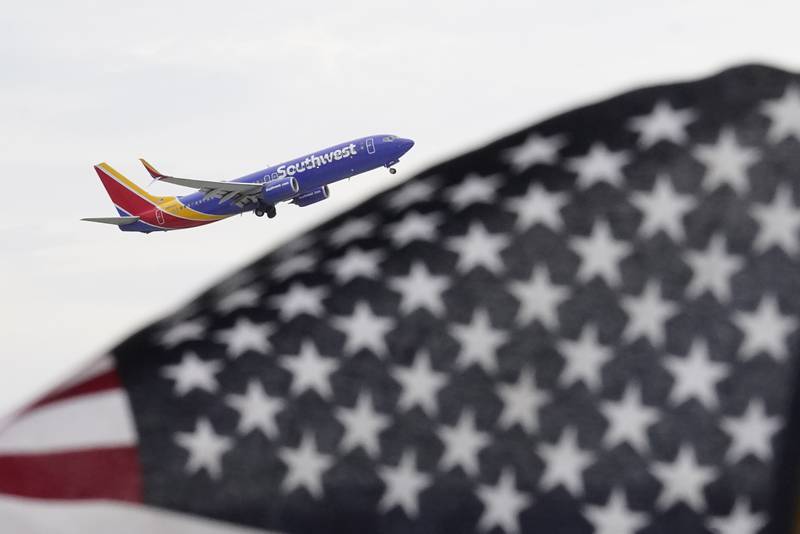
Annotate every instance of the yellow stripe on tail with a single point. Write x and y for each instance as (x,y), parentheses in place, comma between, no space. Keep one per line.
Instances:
(108,169)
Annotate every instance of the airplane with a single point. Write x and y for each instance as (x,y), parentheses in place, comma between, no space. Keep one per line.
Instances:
(302,181)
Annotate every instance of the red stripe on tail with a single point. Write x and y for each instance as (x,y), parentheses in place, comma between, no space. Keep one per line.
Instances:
(122,196)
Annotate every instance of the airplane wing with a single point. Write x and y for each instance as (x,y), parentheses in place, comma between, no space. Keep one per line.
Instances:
(119,221)
(211,185)
(230,187)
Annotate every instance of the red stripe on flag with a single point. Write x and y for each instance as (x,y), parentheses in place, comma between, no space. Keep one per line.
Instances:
(101,382)
(89,474)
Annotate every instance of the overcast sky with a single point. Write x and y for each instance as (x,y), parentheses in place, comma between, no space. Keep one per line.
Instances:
(219,89)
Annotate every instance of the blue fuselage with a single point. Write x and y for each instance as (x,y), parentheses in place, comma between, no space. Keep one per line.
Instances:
(312,172)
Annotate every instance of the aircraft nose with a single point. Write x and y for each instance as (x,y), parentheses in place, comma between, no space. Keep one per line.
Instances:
(405,144)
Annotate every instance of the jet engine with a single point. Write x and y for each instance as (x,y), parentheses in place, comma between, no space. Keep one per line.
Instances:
(312,197)
(279,190)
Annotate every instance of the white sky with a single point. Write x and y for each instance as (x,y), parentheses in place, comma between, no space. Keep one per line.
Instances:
(219,89)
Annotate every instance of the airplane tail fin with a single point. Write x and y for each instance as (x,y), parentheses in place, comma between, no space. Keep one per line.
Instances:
(129,198)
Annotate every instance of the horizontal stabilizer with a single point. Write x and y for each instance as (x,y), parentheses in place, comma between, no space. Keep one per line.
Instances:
(118,221)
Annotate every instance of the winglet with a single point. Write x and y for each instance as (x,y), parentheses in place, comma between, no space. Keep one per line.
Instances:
(152,170)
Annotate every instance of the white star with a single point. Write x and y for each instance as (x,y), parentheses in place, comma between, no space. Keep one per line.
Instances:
(647,315)
(244,336)
(765,329)
(696,376)
(600,254)
(564,463)
(752,432)
(364,330)
(414,226)
(310,370)
(176,334)
(305,467)
(296,264)
(292,248)
(205,448)
(784,114)
(256,409)
(663,123)
(479,342)
(778,222)
(628,420)
(683,479)
(474,189)
(193,373)
(663,209)
(478,248)
(584,359)
(351,230)
(740,520)
(712,270)
(599,165)
(539,299)
(233,282)
(521,402)
(403,485)
(726,162)
(538,206)
(300,299)
(362,424)
(355,263)
(535,149)
(412,192)
(420,383)
(246,297)
(462,444)
(420,289)
(614,517)
(502,504)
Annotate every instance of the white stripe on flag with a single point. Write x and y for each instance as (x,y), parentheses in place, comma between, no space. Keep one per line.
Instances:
(87,372)
(89,421)
(30,516)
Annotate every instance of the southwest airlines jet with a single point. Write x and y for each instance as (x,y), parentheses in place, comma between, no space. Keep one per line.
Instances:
(302,181)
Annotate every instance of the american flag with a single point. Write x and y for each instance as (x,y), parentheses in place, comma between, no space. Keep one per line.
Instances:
(587,326)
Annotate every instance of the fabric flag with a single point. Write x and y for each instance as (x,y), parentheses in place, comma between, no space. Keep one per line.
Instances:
(587,326)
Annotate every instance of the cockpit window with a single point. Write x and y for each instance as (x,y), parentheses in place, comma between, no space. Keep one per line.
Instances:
(390,138)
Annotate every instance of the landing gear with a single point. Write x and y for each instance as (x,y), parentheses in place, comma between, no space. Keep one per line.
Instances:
(392,170)
(262,209)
